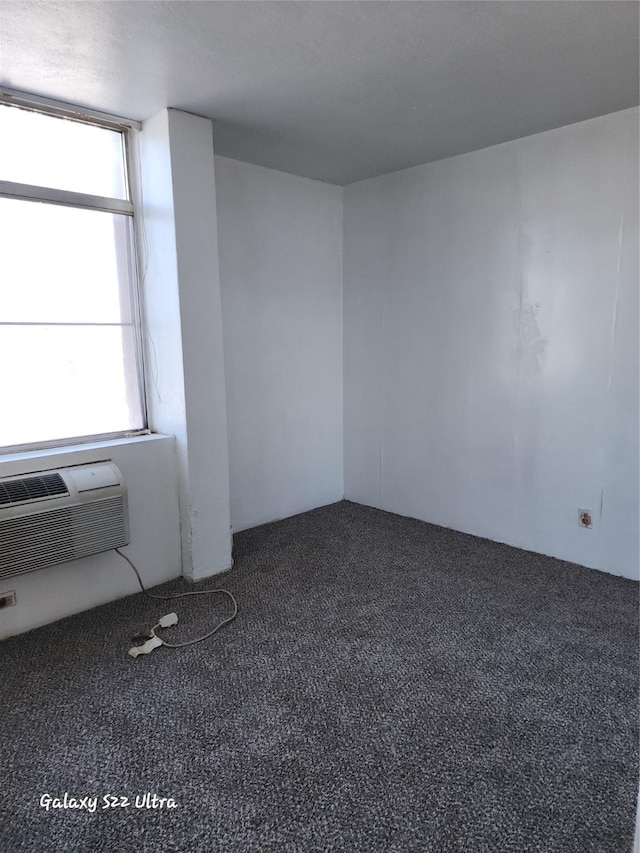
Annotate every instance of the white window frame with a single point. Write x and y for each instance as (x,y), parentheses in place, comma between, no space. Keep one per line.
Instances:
(27,192)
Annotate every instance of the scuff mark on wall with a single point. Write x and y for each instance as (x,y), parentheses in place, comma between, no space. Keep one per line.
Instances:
(533,342)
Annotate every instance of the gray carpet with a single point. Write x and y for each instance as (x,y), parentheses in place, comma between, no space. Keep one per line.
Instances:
(388,685)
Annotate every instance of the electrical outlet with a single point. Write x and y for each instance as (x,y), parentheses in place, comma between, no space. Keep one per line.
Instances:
(585,518)
(7,599)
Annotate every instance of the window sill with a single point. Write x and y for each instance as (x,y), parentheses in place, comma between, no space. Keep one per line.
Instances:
(72,454)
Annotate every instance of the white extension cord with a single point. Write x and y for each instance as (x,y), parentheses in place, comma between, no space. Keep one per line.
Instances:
(153,641)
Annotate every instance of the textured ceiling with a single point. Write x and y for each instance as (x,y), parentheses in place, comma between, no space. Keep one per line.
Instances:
(338,91)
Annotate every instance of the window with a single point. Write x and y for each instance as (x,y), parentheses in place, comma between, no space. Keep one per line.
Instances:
(70,353)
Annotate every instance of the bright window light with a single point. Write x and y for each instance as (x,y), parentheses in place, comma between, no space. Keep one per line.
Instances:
(69,155)
(69,336)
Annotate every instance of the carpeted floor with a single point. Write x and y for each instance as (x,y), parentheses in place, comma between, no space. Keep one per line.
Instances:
(387,686)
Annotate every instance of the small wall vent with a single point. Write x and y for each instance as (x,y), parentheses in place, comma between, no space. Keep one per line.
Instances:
(61,515)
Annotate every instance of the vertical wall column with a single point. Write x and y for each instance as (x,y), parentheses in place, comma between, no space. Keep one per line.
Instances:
(178,236)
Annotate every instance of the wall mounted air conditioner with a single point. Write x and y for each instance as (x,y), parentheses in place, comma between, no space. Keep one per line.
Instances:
(60,515)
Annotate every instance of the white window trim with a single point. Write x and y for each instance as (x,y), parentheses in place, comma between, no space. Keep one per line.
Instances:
(30,192)
(33,102)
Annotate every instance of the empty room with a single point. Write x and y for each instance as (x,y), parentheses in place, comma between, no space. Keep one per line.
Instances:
(319,426)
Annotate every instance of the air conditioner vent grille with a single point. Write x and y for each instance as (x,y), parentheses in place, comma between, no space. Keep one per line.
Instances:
(61,534)
(31,489)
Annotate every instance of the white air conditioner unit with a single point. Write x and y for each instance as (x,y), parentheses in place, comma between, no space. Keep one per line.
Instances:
(54,516)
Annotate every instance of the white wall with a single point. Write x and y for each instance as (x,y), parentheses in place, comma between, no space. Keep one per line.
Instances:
(491,342)
(149,467)
(183,327)
(280,241)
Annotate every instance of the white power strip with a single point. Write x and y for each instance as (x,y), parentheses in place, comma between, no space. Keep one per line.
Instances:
(154,641)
